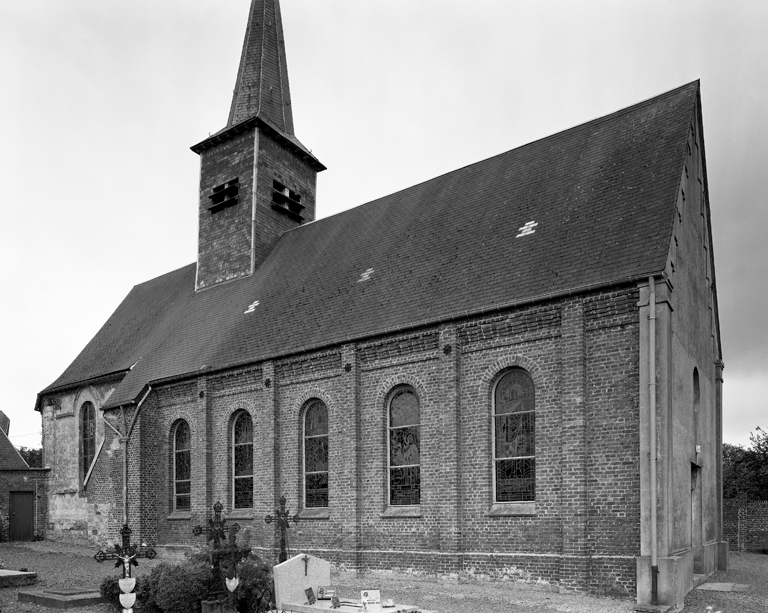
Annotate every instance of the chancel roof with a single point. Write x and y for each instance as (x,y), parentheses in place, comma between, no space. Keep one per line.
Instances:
(590,206)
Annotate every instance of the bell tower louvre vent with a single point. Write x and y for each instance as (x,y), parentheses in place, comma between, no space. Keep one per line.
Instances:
(287,201)
(224,195)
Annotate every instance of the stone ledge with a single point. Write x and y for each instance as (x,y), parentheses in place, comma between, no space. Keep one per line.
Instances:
(653,608)
(15,578)
(60,599)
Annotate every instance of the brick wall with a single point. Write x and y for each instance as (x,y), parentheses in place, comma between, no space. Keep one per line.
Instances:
(745,524)
(224,242)
(33,480)
(582,531)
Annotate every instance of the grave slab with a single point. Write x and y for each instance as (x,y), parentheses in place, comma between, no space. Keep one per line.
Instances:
(725,587)
(325,605)
(15,578)
(61,598)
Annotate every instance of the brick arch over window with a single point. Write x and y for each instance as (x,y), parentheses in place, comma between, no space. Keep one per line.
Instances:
(241,437)
(385,389)
(491,373)
(87,428)
(181,465)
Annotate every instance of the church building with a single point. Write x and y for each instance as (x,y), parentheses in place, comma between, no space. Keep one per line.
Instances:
(512,370)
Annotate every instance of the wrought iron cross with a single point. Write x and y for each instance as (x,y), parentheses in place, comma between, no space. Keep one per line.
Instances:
(126,553)
(282,518)
(216,531)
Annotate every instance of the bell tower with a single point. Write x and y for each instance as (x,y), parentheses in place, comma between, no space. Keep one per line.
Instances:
(257,180)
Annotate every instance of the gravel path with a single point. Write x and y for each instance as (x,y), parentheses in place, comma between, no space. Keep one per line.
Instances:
(64,565)
(749,568)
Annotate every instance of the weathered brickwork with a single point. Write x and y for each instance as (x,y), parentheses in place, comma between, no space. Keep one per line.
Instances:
(225,240)
(33,480)
(537,321)
(389,349)
(581,532)
(311,366)
(745,524)
(278,162)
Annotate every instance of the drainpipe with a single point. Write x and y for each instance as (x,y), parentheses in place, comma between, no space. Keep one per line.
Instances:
(652,426)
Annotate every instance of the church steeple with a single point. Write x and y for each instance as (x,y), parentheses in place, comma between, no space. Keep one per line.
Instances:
(262,79)
(256,178)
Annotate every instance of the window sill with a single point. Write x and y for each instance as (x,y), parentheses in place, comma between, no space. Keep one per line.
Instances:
(315,513)
(512,509)
(404,511)
(241,514)
(178,515)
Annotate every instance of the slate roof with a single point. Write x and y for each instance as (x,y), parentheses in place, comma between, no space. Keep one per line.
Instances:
(602,195)
(9,457)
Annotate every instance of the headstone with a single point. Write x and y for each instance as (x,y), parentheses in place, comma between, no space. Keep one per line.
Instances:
(295,575)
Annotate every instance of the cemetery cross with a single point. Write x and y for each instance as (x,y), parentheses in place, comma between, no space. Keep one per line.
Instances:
(126,553)
(282,518)
(216,531)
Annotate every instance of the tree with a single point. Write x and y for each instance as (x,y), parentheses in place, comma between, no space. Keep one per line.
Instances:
(745,471)
(33,457)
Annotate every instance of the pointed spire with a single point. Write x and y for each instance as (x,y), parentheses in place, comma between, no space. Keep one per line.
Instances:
(262,79)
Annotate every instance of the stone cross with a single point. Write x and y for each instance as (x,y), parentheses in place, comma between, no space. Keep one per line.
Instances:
(217,531)
(282,518)
(126,553)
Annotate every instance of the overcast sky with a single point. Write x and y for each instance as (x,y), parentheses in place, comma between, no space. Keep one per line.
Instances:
(101,100)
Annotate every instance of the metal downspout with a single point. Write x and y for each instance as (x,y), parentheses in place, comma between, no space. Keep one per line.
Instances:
(652,427)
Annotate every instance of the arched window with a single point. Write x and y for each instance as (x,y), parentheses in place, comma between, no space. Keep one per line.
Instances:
(182,467)
(696,403)
(87,437)
(242,461)
(316,454)
(514,434)
(404,447)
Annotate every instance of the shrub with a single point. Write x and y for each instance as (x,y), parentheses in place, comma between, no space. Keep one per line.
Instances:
(110,591)
(255,590)
(179,588)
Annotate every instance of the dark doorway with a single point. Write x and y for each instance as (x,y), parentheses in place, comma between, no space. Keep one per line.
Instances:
(22,516)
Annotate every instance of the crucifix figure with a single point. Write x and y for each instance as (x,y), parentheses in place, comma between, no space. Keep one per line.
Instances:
(126,553)
(282,518)
(216,531)
(306,563)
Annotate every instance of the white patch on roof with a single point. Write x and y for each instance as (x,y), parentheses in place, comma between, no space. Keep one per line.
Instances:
(251,307)
(527,229)
(366,275)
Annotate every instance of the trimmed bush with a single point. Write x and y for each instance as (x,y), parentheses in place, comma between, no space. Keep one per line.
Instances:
(179,588)
(254,594)
(110,591)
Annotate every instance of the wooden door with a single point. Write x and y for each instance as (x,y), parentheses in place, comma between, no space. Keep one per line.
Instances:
(22,515)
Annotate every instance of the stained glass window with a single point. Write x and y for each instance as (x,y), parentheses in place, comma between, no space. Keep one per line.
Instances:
(182,467)
(514,437)
(87,437)
(316,454)
(242,461)
(404,448)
